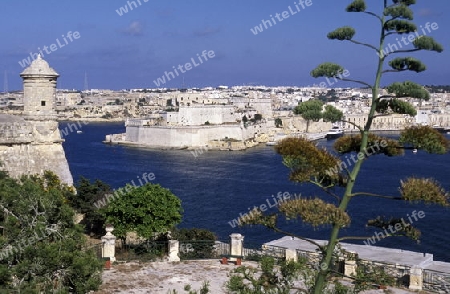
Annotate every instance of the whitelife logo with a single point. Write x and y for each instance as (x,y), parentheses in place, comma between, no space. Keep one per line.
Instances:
(131,5)
(52,48)
(266,24)
(205,56)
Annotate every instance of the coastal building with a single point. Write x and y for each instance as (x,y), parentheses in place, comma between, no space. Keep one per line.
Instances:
(31,143)
(210,126)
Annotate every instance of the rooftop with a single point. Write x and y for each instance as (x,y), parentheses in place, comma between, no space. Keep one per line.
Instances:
(39,67)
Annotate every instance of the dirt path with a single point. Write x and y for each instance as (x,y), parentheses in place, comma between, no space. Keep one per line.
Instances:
(160,277)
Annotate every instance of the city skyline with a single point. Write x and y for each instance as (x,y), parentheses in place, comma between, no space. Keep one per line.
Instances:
(131,44)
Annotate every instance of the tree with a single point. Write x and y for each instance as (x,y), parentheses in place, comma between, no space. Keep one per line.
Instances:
(146,210)
(257,117)
(278,122)
(84,202)
(312,110)
(43,251)
(310,164)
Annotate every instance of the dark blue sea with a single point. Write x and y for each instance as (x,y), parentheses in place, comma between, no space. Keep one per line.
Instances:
(216,186)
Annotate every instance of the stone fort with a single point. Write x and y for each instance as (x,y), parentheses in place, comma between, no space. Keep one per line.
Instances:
(31,144)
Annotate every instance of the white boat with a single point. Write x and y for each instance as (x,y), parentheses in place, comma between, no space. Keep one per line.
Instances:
(79,132)
(334,132)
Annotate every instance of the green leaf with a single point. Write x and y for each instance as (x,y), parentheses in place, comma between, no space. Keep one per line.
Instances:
(375,145)
(424,190)
(400,26)
(356,6)
(327,69)
(405,2)
(408,89)
(427,43)
(314,211)
(145,210)
(426,138)
(310,110)
(407,63)
(402,107)
(399,11)
(397,106)
(341,34)
(307,161)
(332,114)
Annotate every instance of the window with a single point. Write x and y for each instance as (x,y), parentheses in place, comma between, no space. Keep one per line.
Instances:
(42,103)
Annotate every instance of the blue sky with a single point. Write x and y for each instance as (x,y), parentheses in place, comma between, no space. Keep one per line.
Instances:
(133,50)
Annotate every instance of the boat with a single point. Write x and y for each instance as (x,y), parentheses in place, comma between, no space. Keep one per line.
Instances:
(334,132)
(79,132)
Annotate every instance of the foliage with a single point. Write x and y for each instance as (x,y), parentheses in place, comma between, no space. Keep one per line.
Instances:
(43,251)
(426,138)
(396,106)
(107,115)
(426,190)
(356,6)
(310,164)
(407,63)
(332,114)
(278,122)
(207,123)
(375,145)
(268,278)
(401,228)
(146,210)
(338,288)
(314,211)
(344,33)
(83,202)
(427,43)
(368,276)
(408,89)
(257,117)
(195,243)
(310,110)
(327,69)
(306,161)
(203,290)
(193,234)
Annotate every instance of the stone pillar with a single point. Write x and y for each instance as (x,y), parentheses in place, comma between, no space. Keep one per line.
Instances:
(350,264)
(109,244)
(416,278)
(174,249)
(291,254)
(236,245)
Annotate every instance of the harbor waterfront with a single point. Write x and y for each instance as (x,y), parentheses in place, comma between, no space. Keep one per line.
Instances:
(216,187)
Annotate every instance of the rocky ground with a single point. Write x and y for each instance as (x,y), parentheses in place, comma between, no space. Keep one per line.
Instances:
(163,277)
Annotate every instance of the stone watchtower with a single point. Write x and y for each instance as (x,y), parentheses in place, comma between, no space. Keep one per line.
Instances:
(32,144)
(39,90)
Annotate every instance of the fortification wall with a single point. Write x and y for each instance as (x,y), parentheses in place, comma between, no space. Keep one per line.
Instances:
(196,116)
(31,147)
(299,124)
(30,159)
(180,137)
